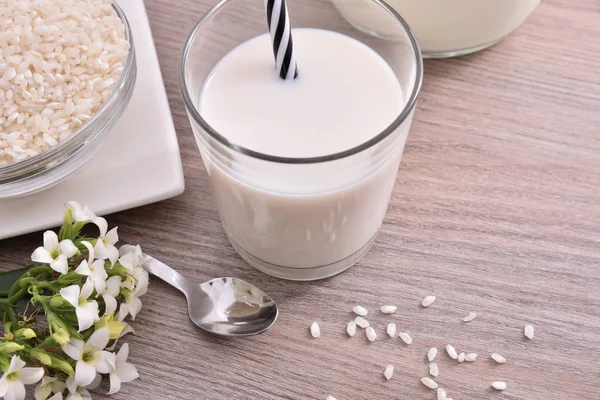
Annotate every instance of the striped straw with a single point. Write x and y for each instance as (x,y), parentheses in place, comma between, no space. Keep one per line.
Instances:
(281,36)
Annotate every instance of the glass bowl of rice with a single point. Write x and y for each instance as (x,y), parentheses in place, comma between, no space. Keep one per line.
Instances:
(67,73)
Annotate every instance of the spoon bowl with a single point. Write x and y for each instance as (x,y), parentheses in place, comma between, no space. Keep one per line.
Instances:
(223,306)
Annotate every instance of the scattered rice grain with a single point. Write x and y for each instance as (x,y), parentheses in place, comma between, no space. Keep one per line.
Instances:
(499,385)
(351,328)
(461,357)
(528,331)
(430,383)
(471,357)
(498,358)
(388,309)
(371,335)
(360,310)
(405,338)
(451,352)
(315,331)
(388,372)
(441,394)
(470,317)
(431,354)
(391,329)
(427,301)
(434,370)
(361,322)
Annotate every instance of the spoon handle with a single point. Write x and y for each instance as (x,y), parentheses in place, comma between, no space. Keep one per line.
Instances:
(166,273)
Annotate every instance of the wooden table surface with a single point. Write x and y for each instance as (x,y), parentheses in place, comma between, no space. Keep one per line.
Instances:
(496,210)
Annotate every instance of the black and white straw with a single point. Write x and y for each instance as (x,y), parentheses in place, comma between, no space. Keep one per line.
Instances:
(281,37)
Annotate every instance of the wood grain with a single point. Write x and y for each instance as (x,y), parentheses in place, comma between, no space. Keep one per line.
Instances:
(496,210)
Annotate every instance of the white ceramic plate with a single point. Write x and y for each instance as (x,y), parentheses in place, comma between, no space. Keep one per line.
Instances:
(138,164)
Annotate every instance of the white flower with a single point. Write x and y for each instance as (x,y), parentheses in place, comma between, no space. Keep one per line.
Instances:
(87,311)
(12,383)
(118,368)
(87,355)
(125,331)
(48,386)
(54,253)
(94,270)
(133,304)
(131,257)
(81,214)
(105,246)
(57,396)
(77,392)
(113,287)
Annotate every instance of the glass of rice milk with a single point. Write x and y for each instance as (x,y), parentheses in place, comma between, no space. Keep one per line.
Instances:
(301,170)
(445,28)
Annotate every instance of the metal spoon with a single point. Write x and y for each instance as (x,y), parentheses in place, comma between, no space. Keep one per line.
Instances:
(224,306)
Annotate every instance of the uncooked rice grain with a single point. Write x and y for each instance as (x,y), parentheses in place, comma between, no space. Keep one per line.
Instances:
(371,335)
(47,65)
(360,310)
(405,338)
(315,331)
(388,309)
(461,357)
(361,322)
(430,383)
(441,394)
(471,357)
(499,385)
(330,398)
(431,354)
(451,352)
(498,358)
(351,328)
(434,370)
(470,317)
(427,301)
(528,331)
(388,372)
(391,329)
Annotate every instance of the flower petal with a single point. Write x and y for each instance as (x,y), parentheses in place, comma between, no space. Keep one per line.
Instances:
(83,268)
(142,281)
(50,241)
(115,383)
(60,264)
(41,255)
(123,353)
(134,307)
(99,339)
(107,363)
(84,373)
(42,391)
(113,254)
(113,285)
(73,348)
(112,237)
(127,371)
(16,391)
(16,364)
(87,314)
(86,290)
(102,226)
(29,376)
(71,294)
(95,383)
(90,248)
(67,248)
(98,282)
(71,385)
(110,304)
(57,396)
(101,250)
